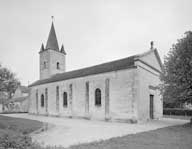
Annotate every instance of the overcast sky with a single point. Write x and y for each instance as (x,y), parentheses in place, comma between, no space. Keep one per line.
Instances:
(92,31)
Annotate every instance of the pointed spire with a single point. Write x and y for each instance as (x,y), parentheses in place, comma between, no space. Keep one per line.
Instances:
(42,48)
(52,39)
(62,49)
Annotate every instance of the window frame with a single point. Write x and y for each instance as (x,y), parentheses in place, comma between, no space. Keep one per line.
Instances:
(42,100)
(58,65)
(65,99)
(98,97)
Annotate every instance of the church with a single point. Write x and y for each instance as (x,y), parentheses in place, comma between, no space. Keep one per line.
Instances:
(121,90)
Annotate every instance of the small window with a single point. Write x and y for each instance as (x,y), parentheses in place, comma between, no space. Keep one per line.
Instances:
(65,99)
(44,65)
(58,67)
(98,97)
(42,100)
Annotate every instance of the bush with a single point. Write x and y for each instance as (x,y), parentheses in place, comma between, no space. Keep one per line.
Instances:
(176,111)
(15,141)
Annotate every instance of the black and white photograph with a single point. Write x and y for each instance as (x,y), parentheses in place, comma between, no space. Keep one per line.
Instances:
(95,74)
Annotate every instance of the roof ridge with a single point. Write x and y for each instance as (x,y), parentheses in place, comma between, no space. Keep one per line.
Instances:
(115,65)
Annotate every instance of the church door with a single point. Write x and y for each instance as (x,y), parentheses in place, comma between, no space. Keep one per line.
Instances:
(151,106)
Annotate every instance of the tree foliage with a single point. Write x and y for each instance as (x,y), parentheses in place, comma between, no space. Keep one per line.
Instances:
(177,73)
(8,81)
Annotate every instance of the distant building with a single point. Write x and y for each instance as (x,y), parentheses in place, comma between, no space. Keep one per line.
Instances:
(1,105)
(20,100)
(3,97)
(125,89)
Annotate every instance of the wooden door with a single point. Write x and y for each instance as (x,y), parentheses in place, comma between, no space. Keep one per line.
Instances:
(151,106)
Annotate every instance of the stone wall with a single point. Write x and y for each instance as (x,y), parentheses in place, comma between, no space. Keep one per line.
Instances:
(51,57)
(118,90)
(148,82)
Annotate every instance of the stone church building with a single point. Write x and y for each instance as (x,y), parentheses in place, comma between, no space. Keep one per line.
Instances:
(124,89)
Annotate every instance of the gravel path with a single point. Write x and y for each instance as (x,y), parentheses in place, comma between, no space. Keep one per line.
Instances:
(66,132)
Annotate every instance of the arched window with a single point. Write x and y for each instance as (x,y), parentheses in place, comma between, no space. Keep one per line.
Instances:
(65,99)
(42,100)
(98,97)
(58,67)
(57,98)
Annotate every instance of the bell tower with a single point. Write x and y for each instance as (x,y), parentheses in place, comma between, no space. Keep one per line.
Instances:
(52,59)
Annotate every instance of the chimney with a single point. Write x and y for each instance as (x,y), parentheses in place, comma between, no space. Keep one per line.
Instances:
(152,44)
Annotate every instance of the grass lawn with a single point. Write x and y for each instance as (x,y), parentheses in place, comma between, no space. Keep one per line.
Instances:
(174,137)
(18,125)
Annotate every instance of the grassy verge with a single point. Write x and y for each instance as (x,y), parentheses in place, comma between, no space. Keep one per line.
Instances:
(14,132)
(18,125)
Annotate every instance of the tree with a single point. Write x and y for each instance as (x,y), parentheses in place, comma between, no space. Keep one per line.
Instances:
(8,81)
(177,72)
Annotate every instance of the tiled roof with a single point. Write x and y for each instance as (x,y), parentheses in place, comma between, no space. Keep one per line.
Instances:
(97,69)
(52,40)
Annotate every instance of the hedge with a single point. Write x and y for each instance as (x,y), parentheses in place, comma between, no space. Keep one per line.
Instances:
(177,111)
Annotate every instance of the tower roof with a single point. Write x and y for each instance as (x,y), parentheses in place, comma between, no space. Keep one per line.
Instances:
(62,49)
(42,47)
(52,39)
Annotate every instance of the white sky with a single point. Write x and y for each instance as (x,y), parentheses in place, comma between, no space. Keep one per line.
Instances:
(93,31)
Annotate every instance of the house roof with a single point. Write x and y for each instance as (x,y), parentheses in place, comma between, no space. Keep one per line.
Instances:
(52,39)
(18,99)
(24,89)
(124,63)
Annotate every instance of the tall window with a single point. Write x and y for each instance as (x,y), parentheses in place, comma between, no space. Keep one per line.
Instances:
(46,100)
(57,98)
(58,67)
(42,100)
(37,100)
(98,97)
(65,99)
